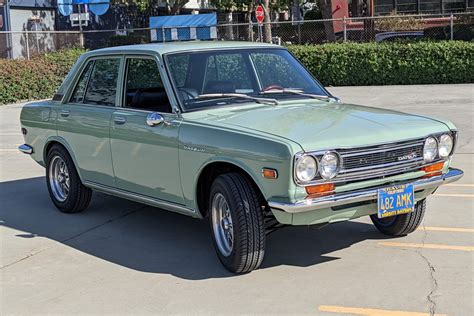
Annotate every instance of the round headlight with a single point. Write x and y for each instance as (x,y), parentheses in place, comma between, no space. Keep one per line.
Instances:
(445,145)
(329,165)
(430,149)
(306,168)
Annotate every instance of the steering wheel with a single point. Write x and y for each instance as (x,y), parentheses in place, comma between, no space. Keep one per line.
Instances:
(189,93)
(272,87)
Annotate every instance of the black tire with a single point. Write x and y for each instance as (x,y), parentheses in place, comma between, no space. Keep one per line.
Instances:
(403,224)
(78,196)
(247,220)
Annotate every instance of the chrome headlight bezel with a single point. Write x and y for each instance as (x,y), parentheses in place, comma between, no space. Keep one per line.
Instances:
(337,166)
(430,141)
(445,145)
(309,159)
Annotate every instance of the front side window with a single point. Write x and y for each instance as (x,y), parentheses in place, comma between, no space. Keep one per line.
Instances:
(229,77)
(102,86)
(143,86)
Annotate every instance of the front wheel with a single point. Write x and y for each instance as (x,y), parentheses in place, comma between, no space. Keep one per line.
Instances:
(237,223)
(403,224)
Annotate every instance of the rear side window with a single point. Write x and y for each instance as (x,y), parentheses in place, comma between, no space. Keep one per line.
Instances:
(79,91)
(102,86)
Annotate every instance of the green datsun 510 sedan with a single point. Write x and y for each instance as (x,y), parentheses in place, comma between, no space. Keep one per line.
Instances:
(237,132)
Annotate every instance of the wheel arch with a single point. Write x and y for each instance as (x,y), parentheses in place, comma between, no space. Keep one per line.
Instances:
(60,141)
(212,170)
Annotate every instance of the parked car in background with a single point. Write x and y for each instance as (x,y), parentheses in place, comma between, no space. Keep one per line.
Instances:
(238,132)
(399,36)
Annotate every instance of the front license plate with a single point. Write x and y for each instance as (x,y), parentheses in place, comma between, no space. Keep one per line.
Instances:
(395,200)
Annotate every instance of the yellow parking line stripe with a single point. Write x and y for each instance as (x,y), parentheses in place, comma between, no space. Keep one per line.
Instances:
(448,229)
(455,195)
(9,149)
(426,246)
(460,185)
(369,311)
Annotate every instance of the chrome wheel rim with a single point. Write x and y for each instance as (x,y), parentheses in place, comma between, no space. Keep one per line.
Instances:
(59,179)
(222,224)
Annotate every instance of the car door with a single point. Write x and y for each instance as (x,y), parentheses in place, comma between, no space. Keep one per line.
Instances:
(144,135)
(84,120)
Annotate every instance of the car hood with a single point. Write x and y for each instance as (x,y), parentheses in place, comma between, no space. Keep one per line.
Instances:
(316,125)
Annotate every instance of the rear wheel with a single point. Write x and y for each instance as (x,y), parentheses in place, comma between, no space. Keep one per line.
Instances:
(237,223)
(65,188)
(403,224)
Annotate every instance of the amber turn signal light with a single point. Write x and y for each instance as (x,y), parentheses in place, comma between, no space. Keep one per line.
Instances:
(434,167)
(320,189)
(269,173)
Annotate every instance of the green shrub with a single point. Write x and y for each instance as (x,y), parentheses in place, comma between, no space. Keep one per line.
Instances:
(333,64)
(353,64)
(37,78)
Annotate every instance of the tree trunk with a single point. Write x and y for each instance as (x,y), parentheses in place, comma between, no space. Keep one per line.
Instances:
(177,6)
(267,28)
(249,31)
(229,29)
(326,10)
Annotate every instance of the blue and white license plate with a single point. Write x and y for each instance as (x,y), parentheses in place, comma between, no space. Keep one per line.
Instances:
(395,200)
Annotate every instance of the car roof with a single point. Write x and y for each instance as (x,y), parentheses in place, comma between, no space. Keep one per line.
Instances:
(174,47)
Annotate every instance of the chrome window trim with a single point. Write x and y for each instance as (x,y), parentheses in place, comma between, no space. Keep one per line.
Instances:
(375,171)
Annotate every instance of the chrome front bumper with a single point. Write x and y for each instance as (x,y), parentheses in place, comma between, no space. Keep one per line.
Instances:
(26,149)
(363,195)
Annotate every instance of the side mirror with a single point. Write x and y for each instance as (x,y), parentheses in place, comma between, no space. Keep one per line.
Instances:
(154,119)
(336,99)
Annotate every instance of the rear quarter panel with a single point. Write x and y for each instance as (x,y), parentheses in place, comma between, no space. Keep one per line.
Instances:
(39,119)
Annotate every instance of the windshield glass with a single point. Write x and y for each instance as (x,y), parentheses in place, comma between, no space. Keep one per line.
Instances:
(223,77)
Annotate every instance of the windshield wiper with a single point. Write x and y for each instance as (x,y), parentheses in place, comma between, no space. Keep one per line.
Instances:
(298,92)
(237,95)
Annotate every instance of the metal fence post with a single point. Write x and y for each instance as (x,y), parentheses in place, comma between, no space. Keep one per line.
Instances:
(451,24)
(27,45)
(250,31)
(345,28)
(81,38)
(299,33)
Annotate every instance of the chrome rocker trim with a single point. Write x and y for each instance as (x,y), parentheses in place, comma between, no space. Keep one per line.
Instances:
(143,199)
(26,149)
(361,195)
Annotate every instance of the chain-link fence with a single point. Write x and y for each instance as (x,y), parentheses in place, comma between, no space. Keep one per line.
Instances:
(379,29)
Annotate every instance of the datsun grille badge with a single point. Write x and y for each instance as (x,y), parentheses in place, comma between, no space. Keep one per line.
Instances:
(408,156)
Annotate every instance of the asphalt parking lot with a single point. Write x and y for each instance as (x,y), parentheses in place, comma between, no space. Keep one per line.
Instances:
(120,257)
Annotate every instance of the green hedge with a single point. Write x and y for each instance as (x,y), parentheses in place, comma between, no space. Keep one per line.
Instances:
(353,64)
(333,64)
(37,78)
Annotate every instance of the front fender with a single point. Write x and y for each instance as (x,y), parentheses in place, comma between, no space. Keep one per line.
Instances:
(202,145)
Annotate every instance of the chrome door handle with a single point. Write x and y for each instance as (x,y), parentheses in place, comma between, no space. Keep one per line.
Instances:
(119,120)
(65,113)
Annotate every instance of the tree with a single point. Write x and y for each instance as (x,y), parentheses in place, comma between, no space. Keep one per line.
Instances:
(326,9)
(173,6)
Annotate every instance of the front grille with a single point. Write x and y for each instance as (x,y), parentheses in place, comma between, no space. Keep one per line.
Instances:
(371,162)
(398,155)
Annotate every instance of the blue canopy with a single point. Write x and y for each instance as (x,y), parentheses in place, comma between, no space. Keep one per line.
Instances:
(183,27)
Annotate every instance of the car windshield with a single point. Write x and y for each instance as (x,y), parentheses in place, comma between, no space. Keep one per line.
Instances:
(218,78)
